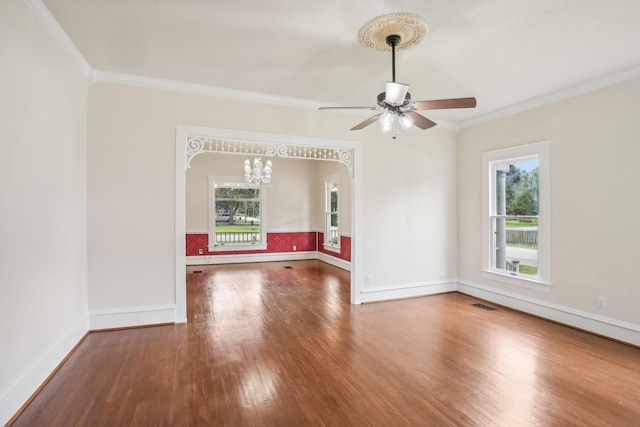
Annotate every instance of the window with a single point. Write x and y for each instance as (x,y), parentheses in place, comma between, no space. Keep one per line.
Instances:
(516,220)
(236,215)
(331,203)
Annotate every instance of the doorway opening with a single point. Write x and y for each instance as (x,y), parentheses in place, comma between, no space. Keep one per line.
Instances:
(192,141)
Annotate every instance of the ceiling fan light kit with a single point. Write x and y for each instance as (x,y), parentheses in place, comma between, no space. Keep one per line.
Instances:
(399,31)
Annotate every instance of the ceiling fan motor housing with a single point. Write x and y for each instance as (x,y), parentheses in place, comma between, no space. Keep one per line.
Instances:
(382,103)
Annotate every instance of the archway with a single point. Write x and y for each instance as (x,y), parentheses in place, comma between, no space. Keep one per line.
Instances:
(192,141)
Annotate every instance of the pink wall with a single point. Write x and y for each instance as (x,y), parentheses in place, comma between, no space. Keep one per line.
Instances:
(345,247)
(305,241)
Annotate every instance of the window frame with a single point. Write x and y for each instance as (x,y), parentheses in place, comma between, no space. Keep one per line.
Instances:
(327,243)
(212,244)
(490,159)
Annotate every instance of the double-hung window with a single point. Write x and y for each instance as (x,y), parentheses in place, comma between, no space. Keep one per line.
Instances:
(236,215)
(332,216)
(516,246)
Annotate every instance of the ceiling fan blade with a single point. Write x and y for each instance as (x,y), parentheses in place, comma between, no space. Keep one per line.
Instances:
(348,108)
(395,93)
(438,104)
(366,122)
(420,121)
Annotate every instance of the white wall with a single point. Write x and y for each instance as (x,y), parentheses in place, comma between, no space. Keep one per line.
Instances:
(291,199)
(410,207)
(595,237)
(131,162)
(43,274)
(131,166)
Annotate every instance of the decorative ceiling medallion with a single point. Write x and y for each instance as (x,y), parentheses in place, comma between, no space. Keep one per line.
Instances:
(411,28)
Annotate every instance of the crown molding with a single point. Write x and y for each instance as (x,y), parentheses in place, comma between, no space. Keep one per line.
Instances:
(40,11)
(580,89)
(199,89)
(219,92)
(92,76)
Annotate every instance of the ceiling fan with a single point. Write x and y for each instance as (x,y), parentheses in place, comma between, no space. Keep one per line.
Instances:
(396,105)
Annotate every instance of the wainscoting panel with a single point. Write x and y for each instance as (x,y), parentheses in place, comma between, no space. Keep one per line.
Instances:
(280,247)
(345,247)
(304,241)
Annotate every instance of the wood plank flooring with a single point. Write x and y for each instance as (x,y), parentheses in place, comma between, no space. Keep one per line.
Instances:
(272,346)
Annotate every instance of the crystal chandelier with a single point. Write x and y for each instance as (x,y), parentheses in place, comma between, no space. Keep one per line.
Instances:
(259,174)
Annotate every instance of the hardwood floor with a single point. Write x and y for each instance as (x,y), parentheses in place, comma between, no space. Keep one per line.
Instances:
(272,346)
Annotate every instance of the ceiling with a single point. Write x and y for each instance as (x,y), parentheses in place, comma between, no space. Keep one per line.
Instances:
(503,52)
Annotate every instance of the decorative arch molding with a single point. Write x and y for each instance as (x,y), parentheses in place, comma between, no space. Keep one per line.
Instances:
(192,141)
(197,144)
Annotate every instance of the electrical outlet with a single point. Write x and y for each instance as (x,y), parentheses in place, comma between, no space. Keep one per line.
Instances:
(295,249)
(200,251)
(367,279)
(601,302)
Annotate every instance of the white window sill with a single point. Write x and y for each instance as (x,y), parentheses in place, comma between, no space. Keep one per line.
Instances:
(331,248)
(524,282)
(248,247)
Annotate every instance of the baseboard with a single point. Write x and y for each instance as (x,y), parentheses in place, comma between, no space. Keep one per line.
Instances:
(242,258)
(132,316)
(383,293)
(336,262)
(600,325)
(12,400)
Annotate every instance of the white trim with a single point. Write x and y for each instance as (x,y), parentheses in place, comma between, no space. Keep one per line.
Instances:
(40,11)
(275,256)
(16,394)
(243,258)
(601,325)
(197,144)
(133,316)
(406,290)
(281,231)
(521,281)
(180,237)
(212,246)
(237,247)
(489,158)
(357,226)
(220,92)
(198,89)
(580,89)
(336,262)
(205,90)
(233,134)
(331,248)
(277,231)
(333,179)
